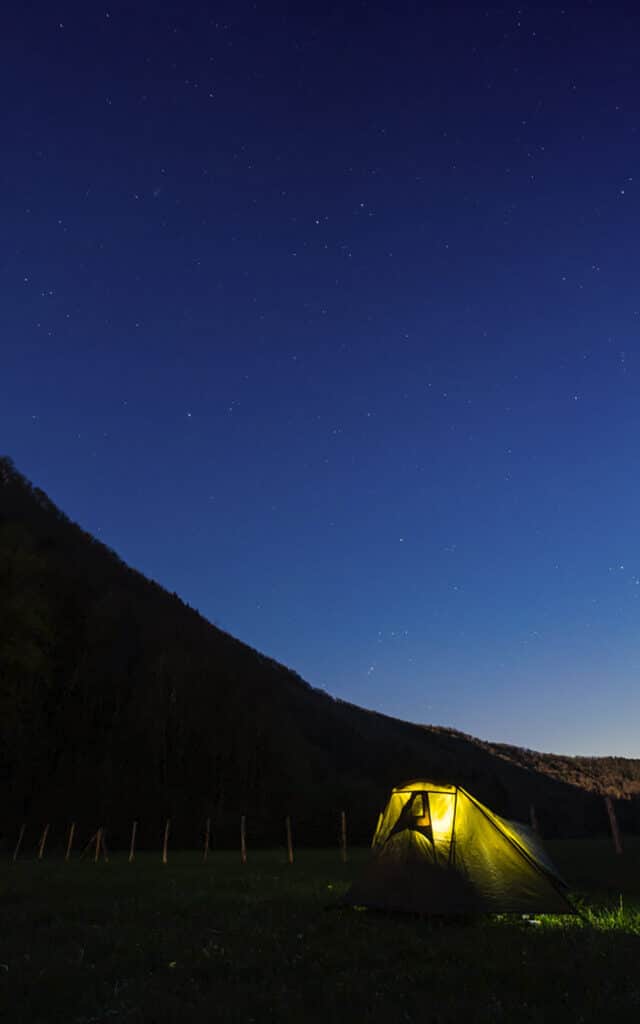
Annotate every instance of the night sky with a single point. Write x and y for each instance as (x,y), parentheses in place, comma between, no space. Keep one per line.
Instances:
(329,323)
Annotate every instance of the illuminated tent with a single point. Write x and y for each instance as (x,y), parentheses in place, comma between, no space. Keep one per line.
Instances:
(438,850)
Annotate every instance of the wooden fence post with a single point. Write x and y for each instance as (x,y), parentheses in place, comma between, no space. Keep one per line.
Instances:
(43,840)
(533,818)
(613,821)
(243,840)
(19,843)
(207,835)
(343,836)
(287,823)
(166,840)
(132,845)
(70,840)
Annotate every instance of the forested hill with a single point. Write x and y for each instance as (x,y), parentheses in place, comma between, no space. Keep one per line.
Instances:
(118,701)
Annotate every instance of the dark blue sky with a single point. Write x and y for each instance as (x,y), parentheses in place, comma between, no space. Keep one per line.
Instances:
(330,324)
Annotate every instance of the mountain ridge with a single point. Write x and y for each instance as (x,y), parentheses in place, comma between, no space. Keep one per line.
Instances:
(119,698)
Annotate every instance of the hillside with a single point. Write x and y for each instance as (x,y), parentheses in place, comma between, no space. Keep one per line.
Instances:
(118,700)
(615,776)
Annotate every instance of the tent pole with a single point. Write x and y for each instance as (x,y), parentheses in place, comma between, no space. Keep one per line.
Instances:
(452,841)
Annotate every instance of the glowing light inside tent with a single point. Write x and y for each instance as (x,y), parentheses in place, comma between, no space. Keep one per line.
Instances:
(441,805)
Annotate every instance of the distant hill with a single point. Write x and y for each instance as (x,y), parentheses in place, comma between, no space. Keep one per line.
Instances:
(614,776)
(119,701)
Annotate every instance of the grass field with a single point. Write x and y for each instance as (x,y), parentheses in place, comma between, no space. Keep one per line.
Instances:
(188,942)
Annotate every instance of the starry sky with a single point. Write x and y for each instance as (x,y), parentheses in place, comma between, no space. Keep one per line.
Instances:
(329,323)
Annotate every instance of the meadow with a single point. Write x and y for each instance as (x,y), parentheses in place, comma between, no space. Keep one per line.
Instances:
(85,943)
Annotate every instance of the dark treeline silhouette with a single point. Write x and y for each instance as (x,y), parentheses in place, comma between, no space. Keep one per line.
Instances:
(119,701)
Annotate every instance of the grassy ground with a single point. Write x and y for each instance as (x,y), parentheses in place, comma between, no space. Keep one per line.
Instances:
(189,942)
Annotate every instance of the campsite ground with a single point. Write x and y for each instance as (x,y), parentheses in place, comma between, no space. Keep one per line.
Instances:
(185,942)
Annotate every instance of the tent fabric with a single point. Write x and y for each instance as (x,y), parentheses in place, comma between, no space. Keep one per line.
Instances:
(439,850)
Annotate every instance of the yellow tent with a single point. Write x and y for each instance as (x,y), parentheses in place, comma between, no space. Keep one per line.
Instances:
(438,850)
